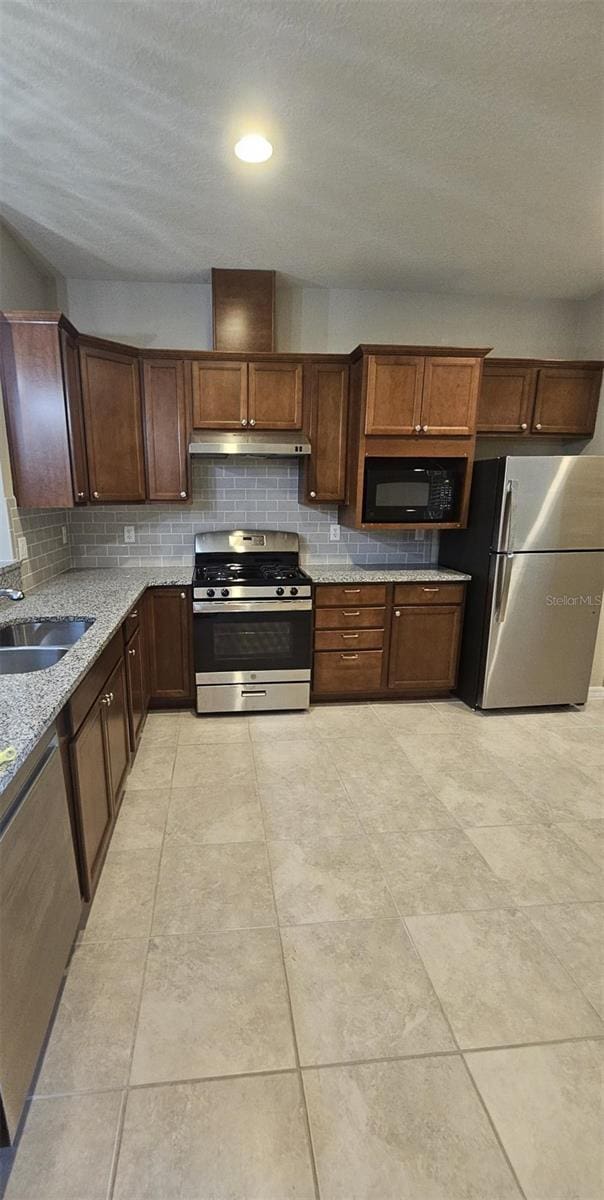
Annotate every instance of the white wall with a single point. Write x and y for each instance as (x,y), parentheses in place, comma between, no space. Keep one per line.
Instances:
(326,320)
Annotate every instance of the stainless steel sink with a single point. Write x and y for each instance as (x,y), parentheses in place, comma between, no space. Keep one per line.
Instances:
(34,645)
(19,659)
(43,633)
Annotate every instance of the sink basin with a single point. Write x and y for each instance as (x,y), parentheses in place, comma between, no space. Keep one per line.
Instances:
(18,659)
(43,633)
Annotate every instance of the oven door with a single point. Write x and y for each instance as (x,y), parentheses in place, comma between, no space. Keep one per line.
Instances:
(252,641)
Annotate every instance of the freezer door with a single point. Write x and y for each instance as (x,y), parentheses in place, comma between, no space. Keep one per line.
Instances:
(542,629)
(552,503)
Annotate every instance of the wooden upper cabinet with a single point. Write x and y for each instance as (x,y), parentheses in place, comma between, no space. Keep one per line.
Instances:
(566,401)
(114,425)
(324,477)
(506,398)
(166,427)
(75,416)
(275,395)
(219,394)
(450,396)
(424,647)
(394,394)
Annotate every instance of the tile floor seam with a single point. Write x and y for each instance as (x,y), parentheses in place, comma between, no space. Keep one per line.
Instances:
(493,1126)
(441,1006)
(555,954)
(117,1145)
(306,1115)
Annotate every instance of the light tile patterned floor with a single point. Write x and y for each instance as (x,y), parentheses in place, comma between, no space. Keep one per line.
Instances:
(351,954)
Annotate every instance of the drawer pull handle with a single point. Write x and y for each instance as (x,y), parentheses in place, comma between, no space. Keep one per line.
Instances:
(351,591)
(397,612)
(350,614)
(349,657)
(350,635)
(430,589)
(247,693)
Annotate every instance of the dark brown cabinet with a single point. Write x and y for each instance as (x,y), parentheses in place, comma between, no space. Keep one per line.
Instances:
(114,425)
(412,394)
(92,793)
(566,401)
(424,647)
(275,395)
(75,415)
(219,394)
(532,397)
(168,621)
(166,397)
(117,731)
(323,477)
(137,686)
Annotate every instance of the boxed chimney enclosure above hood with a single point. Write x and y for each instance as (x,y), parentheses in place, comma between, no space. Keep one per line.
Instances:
(279,443)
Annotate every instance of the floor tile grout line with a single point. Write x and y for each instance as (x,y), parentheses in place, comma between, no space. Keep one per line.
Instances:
(493,1126)
(455,1052)
(117,1145)
(306,1115)
(568,971)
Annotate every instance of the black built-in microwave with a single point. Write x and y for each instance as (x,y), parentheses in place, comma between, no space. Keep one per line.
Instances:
(412,491)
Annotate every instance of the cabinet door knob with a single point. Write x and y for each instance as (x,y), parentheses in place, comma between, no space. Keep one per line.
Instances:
(183,595)
(244,420)
(105,700)
(425,428)
(132,653)
(418,428)
(313,495)
(397,612)
(524,425)
(80,495)
(134,614)
(96,495)
(183,495)
(252,421)
(538,426)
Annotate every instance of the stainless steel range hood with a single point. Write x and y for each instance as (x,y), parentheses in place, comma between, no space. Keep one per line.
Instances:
(280,443)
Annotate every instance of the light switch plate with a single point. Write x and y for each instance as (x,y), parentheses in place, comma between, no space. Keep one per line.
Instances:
(22,548)
(64,534)
(129,534)
(334,533)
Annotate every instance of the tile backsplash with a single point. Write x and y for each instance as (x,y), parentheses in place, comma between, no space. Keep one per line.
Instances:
(256,493)
(47,554)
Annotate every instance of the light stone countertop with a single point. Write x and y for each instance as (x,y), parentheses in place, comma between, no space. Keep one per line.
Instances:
(387,574)
(29,703)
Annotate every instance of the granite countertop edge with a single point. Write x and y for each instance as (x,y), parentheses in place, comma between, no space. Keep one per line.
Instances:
(386,574)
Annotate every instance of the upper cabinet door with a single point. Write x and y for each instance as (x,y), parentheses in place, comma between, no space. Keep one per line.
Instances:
(450,396)
(114,425)
(394,392)
(166,428)
(75,415)
(328,386)
(275,395)
(506,396)
(566,401)
(219,395)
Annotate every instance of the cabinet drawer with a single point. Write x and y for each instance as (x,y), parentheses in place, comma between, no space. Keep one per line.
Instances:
(340,639)
(349,618)
(348,671)
(349,595)
(429,593)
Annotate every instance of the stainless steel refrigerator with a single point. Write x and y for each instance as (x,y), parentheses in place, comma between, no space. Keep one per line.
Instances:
(534,548)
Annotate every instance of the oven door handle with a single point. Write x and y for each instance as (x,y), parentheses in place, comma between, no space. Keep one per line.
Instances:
(205,608)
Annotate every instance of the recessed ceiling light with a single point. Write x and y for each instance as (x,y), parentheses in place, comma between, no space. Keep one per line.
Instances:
(253,148)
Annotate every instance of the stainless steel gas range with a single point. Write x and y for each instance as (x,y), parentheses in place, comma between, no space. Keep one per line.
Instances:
(252,622)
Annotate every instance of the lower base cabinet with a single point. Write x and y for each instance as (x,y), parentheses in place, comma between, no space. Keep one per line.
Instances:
(168,621)
(405,644)
(136,674)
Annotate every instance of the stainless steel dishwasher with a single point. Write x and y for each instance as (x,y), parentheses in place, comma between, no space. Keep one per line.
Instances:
(40,909)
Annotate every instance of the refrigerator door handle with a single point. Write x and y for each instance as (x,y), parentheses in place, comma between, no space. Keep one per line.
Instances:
(506,524)
(504,578)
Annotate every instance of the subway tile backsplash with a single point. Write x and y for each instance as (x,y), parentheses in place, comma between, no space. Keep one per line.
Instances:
(47,554)
(255,494)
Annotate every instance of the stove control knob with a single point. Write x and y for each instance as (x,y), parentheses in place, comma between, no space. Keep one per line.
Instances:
(224,592)
(210,592)
(280,591)
(293,591)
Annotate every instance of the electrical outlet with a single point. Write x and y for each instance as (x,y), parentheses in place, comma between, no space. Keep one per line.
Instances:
(22,548)
(129,534)
(419,535)
(64,534)
(334,533)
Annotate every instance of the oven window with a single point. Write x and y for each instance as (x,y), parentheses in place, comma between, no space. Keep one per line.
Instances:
(401,493)
(242,640)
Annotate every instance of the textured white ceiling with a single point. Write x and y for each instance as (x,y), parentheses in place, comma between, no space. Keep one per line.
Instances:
(419,144)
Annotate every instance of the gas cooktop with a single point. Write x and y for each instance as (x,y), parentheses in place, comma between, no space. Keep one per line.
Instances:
(246,564)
